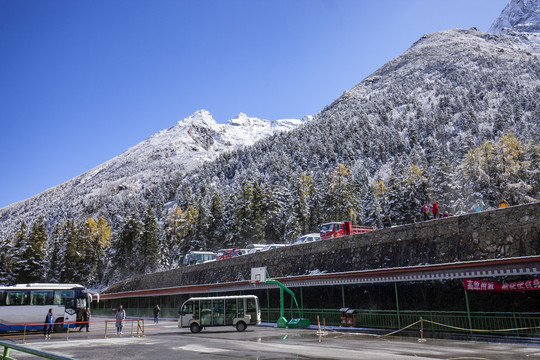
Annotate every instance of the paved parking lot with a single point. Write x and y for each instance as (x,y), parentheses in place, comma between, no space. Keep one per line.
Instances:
(166,341)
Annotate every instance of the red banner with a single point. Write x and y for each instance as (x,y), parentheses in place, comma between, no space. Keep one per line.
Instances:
(480,285)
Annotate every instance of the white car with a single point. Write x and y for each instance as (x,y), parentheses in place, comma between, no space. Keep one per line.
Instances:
(273,246)
(308,238)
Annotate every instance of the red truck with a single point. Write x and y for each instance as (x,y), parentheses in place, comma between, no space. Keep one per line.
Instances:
(342,228)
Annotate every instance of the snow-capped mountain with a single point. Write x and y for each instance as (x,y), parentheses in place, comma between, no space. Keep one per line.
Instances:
(455,118)
(143,169)
(519,17)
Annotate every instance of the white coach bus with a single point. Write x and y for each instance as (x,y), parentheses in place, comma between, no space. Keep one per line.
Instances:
(237,311)
(29,304)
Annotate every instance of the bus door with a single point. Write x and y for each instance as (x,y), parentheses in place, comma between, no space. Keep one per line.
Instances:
(190,310)
(231,311)
(218,313)
(252,310)
(206,312)
(70,303)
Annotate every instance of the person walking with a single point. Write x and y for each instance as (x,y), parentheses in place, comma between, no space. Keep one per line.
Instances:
(120,317)
(435,209)
(425,210)
(49,321)
(156,314)
(86,319)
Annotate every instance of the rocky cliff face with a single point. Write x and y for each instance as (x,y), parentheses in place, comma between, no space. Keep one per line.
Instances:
(518,15)
(521,19)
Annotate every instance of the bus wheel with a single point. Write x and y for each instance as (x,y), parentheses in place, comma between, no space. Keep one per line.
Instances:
(195,328)
(240,326)
(58,326)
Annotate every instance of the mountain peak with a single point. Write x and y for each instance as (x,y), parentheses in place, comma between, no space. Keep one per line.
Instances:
(199,117)
(519,15)
(243,120)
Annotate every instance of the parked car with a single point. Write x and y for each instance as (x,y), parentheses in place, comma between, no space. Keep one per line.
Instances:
(273,246)
(254,248)
(228,253)
(308,238)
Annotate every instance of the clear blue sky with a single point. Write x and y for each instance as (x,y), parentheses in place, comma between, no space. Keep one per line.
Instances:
(82,81)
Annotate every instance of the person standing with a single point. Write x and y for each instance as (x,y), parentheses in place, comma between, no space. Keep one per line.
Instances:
(387,222)
(120,317)
(479,206)
(435,209)
(425,209)
(86,319)
(156,314)
(49,321)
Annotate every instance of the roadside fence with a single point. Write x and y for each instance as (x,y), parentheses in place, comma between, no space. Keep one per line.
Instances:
(421,324)
(107,326)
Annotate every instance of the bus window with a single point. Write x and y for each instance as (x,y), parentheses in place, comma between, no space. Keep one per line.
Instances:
(2,298)
(206,312)
(196,310)
(219,307)
(60,296)
(17,297)
(241,307)
(57,297)
(41,297)
(230,311)
(188,308)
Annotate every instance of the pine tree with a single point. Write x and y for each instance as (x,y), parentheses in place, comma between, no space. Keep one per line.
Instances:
(217,227)
(407,191)
(35,254)
(342,202)
(6,261)
(56,255)
(72,255)
(20,262)
(148,245)
(125,244)
(303,192)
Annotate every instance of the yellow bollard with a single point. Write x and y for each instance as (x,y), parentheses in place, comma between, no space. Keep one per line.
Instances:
(142,327)
(24,334)
(132,328)
(138,327)
(67,332)
(106,328)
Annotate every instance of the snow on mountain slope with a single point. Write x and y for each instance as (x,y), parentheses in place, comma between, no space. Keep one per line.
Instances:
(521,18)
(140,170)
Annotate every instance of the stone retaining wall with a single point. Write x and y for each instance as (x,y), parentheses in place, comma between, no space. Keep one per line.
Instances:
(504,233)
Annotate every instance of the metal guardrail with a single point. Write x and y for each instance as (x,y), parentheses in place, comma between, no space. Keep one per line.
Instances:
(33,329)
(43,354)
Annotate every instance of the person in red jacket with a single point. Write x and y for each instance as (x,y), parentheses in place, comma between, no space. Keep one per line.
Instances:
(435,209)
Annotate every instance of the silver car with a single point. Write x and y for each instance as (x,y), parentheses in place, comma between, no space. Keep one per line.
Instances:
(308,238)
